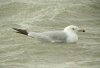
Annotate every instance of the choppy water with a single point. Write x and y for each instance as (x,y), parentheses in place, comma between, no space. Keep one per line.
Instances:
(19,51)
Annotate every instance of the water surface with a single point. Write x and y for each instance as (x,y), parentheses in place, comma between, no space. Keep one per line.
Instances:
(19,51)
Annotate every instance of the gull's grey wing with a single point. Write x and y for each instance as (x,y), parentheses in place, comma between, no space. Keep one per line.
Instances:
(40,36)
(52,36)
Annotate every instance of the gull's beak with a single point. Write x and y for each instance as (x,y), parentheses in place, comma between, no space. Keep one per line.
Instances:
(81,30)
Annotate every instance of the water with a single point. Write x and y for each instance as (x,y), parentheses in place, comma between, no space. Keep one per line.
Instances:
(19,51)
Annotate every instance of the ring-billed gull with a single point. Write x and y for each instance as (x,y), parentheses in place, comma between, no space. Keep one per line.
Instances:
(69,34)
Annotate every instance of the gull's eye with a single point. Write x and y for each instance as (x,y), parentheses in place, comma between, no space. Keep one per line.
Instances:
(73,28)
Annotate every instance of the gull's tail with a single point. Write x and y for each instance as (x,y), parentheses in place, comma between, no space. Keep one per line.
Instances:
(21,31)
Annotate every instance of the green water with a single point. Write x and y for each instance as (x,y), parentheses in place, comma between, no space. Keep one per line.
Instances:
(19,51)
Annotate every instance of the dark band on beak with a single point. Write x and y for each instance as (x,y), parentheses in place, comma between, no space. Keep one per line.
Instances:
(82,30)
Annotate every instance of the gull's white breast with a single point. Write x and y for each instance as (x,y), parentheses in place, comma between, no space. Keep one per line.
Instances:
(71,37)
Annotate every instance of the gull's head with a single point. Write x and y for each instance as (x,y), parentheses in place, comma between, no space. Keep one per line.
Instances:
(73,28)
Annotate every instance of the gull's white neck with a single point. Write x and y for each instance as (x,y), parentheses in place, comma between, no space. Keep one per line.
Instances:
(71,36)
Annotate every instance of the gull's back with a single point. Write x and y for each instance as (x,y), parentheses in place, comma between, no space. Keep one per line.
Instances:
(59,36)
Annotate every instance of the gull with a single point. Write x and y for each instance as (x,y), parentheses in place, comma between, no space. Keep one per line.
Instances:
(68,35)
